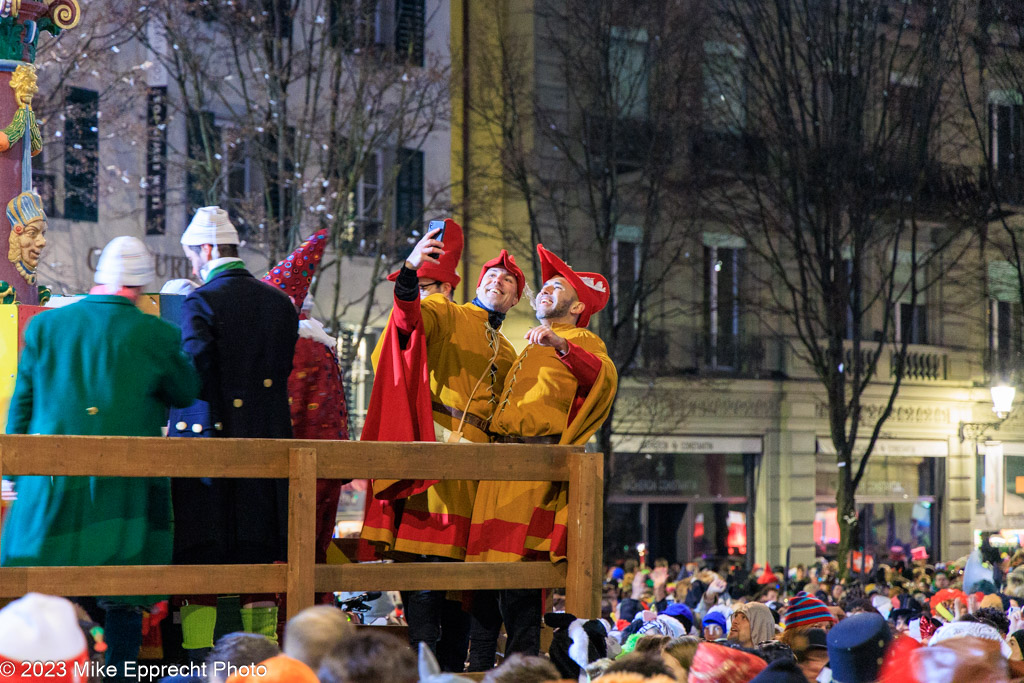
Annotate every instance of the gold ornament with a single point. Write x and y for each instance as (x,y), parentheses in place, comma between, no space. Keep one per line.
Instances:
(28,234)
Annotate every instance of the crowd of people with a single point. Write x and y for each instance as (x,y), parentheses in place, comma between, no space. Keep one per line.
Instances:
(908,622)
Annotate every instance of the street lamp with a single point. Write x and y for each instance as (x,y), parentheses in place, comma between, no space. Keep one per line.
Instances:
(1002,406)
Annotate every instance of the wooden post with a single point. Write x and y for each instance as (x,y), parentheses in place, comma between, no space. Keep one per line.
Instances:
(301,528)
(586,510)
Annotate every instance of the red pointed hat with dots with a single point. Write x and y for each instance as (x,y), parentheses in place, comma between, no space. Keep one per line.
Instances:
(591,288)
(293,275)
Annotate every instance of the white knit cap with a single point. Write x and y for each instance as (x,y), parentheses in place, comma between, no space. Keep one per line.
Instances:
(210,225)
(125,261)
(969,629)
(41,628)
(179,286)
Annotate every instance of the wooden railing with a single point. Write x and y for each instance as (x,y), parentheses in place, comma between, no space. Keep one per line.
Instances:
(302,462)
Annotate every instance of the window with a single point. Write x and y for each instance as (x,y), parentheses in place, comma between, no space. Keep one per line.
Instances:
(725,90)
(1004,335)
(357,24)
(1005,128)
(81,155)
(723,256)
(367,206)
(910,319)
(625,280)
(409,190)
(629,69)
(410,19)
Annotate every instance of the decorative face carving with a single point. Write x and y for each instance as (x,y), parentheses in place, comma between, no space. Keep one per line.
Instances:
(28,233)
(31,239)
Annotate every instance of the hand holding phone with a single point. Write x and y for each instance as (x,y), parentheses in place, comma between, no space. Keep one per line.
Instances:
(436,225)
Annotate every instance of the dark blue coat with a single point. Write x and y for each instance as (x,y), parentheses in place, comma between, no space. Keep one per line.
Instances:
(241,335)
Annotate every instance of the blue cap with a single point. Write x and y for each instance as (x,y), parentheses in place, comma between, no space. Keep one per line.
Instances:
(618,573)
(715,618)
(856,648)
(680,612)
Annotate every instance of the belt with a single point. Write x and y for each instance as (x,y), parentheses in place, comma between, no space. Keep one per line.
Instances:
(506,438)
(456,415)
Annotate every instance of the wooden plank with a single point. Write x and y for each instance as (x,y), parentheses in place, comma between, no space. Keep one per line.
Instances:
(498,462)
(583,578)
(420,576)
(301,528)
(144,580)
(268,458)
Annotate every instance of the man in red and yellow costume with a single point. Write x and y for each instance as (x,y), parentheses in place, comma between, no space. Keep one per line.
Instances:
(439,373)
(560,390)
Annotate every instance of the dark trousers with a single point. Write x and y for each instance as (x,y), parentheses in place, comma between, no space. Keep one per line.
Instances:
(440,623)
(520,611)
(122,632)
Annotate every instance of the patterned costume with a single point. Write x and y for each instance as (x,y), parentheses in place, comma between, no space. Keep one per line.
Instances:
(316,392)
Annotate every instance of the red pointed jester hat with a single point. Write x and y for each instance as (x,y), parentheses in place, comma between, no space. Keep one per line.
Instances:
(508,262)
(591,288)
(294,274)
(449,261)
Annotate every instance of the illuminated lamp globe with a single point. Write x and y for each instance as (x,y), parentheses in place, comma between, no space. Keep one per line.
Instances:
(1002,400)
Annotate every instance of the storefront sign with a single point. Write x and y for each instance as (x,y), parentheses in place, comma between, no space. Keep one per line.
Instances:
(909,447)
(686,444)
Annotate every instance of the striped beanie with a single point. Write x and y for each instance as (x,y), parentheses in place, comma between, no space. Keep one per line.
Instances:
(805,610)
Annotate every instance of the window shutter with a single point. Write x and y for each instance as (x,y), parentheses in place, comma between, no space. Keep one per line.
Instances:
(82,155)
(410,18)
(409,189)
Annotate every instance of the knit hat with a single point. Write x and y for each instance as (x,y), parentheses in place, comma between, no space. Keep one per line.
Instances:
(125,261)
(969,629)
(42,628)
(210,225)
(591,288)
(714,663)
(444,270)
(805,610)
(294,274)
(681,612)
(279,669)
(715,618)
(508,262)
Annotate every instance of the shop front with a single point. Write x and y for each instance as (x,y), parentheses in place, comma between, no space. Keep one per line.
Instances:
(685,497)
(898,500)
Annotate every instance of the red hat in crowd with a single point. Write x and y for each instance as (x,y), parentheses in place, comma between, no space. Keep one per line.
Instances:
(591,288)
(713,663)
(444,270)
(946,595)
(508,262)
(294,274)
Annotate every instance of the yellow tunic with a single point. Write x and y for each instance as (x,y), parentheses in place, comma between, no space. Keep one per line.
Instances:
(523,520)
(461,349)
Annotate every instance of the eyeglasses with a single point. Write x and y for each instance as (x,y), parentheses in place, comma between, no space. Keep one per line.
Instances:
(426,287)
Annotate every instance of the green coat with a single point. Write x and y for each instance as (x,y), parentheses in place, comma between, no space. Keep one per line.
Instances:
(96,367)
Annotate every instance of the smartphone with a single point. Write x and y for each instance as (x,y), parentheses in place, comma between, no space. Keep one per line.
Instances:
(434,225)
